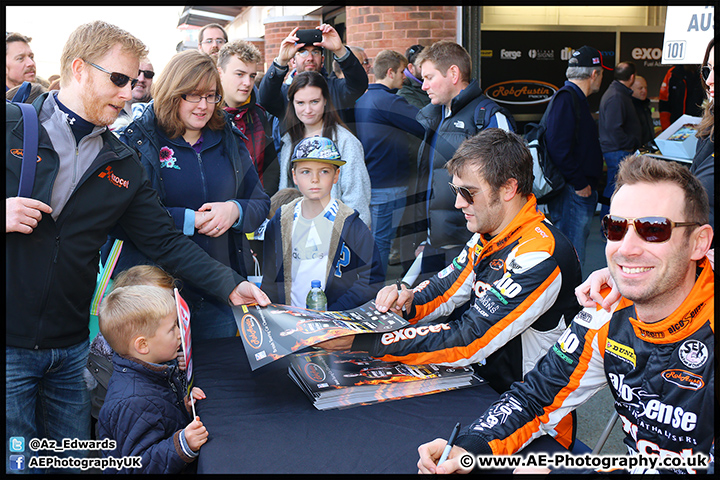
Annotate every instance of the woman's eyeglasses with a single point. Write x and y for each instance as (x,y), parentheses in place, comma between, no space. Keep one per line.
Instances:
(194,98)
(464,192)
(650,229)
(119,79)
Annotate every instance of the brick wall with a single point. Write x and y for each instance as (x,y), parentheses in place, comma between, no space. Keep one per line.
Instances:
(260,44)
(399,27)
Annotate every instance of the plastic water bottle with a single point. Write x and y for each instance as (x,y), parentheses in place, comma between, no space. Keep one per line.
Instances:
(316,299)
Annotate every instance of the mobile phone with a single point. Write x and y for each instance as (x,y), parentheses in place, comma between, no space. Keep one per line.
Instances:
(308,37)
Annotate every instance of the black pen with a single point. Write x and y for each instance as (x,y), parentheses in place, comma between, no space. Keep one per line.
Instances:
(450,443)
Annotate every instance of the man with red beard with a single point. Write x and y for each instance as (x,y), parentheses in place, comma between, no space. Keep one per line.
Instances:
(86,181)
(19,60)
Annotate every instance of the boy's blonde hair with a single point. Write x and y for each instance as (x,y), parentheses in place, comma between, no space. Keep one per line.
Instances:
(144,275)
(92,41)
(129,312)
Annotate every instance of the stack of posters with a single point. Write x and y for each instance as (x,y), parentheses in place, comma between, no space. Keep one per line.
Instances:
(269,333)
(339,380)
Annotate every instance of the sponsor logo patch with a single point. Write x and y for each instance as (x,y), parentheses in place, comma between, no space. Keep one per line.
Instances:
(683,379)
(621,351)
(114,179)
(568,341)
(497,264)
(446,271)
(412,332)
(560,354)
(693,353)
(18,152)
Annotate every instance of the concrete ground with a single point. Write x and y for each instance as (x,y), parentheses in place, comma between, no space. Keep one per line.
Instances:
(593,416)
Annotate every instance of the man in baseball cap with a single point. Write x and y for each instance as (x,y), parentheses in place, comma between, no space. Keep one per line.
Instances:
(576,151)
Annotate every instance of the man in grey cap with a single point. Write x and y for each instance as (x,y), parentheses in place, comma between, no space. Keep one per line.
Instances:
(576,151)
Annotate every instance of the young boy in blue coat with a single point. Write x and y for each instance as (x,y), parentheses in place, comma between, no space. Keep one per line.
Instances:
(145,411)
(317,237)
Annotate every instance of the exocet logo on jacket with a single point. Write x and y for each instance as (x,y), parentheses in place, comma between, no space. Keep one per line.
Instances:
(412,332)
(114,179)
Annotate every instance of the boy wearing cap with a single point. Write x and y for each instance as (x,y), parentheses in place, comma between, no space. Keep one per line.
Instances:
(574,147)
(317,237)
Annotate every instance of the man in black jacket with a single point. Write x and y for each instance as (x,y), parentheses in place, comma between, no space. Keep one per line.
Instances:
(310,58)
(642,109)
(453,115)
(619,126)
(86,182)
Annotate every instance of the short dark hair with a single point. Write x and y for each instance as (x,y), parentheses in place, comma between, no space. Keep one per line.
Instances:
(623,71)
(444,54)
(643,169)
(498,156)
(211,25)
(412,52)
(15,37)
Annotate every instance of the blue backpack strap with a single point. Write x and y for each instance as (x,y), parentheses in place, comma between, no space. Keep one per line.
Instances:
(30,149)
(23,93)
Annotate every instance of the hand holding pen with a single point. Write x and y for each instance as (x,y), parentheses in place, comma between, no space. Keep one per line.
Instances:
(440,456)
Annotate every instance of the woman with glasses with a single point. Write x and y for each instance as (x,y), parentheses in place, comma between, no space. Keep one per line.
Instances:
(310,112)
(703,166)
(198,163)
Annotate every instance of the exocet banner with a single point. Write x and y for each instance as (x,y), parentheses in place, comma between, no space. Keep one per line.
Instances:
(687,33)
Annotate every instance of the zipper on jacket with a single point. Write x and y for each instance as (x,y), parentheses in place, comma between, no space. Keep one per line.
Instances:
(202,177)
(57,248)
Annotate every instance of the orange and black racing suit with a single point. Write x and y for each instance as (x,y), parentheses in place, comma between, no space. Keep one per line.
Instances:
(520,284)
(661,376)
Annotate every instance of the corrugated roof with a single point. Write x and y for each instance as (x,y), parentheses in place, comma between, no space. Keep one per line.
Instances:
(200,16)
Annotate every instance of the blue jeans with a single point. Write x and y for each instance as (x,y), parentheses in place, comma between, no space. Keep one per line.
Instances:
(572,215)
(211,319)
(386,210)
(46,397)
(612,160)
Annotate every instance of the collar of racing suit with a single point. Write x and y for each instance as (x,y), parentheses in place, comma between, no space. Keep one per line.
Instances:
(697,309)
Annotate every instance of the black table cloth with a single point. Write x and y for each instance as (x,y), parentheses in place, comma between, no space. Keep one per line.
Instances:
(261,422)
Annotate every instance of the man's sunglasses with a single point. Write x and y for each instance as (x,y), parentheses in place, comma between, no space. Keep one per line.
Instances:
(119,79)
(464,192)
(705,71)
(149,74)
(650,229)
